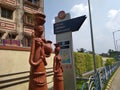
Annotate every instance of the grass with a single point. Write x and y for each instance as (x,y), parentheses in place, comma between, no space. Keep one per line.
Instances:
(80,83)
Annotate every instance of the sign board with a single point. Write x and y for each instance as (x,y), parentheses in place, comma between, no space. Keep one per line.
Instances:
(63,28)
(69,25)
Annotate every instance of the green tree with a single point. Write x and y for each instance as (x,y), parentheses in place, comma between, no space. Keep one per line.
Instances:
(81,50)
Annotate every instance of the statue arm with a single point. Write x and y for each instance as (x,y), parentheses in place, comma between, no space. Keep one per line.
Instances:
(43,57)
(61,64)
(62,68)
(54,66)
(33,52)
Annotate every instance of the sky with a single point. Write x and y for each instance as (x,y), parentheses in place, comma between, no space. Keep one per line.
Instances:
(105,21)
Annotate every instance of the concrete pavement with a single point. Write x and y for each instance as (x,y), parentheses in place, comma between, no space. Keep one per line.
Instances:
(115,81)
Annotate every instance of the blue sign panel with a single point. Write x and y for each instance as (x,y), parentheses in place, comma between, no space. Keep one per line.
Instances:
(69,25)
(65,52)
(64,44)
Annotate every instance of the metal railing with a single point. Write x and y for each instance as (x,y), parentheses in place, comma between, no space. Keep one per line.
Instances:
(99,79)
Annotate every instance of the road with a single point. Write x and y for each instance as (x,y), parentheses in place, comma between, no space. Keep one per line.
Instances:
(115,85)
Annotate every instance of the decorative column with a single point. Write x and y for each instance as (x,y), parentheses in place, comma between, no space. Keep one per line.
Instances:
(58,70)
(40,49)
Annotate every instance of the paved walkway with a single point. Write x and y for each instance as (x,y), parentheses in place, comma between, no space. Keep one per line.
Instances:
(115,84)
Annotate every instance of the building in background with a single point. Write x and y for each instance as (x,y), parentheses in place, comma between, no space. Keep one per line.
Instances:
(16,26)
(16,21)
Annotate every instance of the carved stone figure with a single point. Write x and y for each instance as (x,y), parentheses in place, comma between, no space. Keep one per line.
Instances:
(58,70)
(40,49)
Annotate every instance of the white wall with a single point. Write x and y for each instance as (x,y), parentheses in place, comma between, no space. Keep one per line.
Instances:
(17,63)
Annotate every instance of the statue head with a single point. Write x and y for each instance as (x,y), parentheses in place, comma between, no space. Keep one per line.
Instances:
(57,48)
(38,30)
(39,18)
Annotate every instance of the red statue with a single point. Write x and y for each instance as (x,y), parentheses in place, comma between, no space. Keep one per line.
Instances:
(58,70)
(40,49)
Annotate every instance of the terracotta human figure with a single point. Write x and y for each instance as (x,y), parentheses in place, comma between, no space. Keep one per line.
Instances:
(40,49)
(58,70)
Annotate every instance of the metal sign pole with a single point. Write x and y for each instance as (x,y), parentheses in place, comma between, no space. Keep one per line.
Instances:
(96,74)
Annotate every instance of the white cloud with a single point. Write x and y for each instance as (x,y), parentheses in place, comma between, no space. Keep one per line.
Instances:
(114,19)
(53,21)
(112,13)
(79,9)
(81,38)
